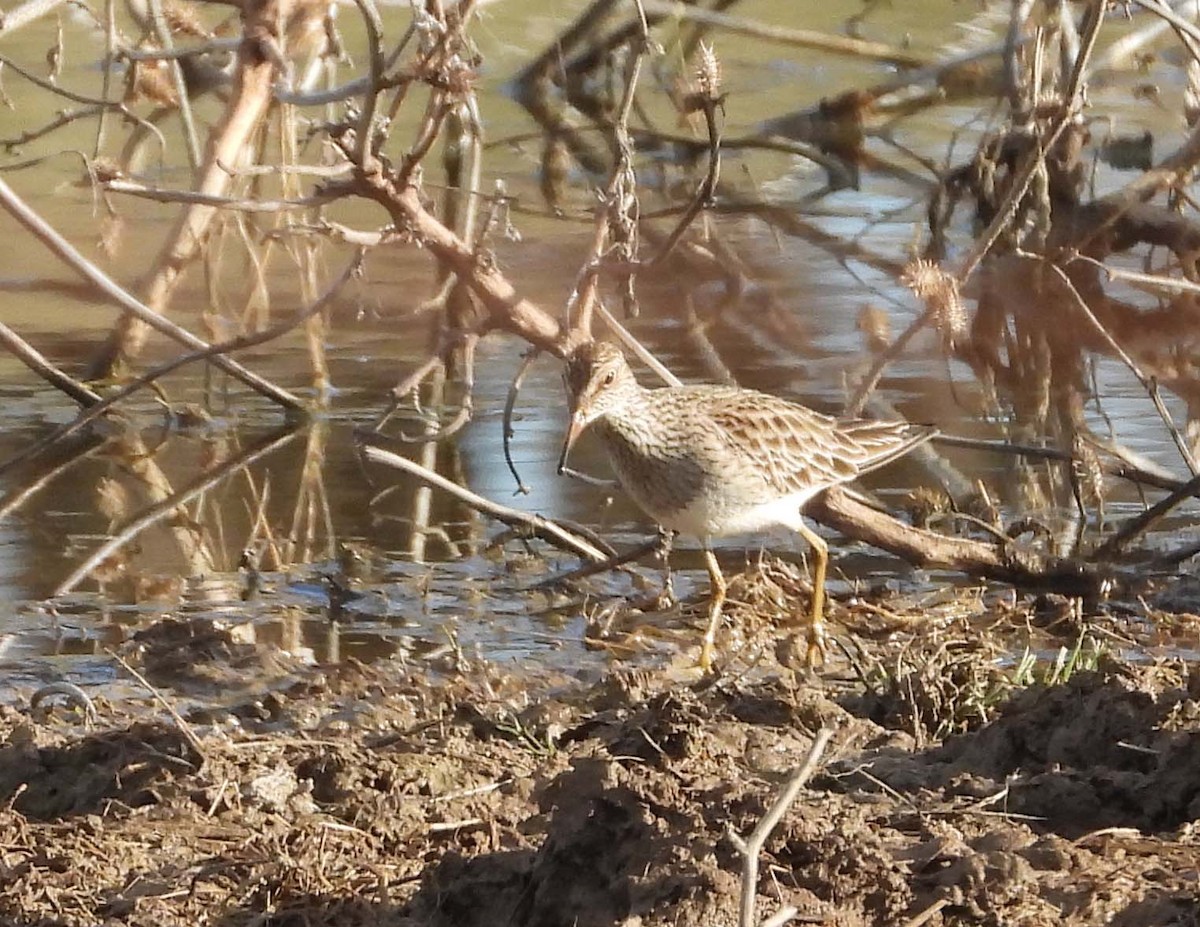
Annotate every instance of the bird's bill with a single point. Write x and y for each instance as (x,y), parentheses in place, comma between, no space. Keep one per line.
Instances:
(574,429)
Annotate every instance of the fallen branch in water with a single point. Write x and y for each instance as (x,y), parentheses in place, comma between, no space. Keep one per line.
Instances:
(838,509)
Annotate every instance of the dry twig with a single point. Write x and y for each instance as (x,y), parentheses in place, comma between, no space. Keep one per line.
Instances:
(750,847)
(544,528)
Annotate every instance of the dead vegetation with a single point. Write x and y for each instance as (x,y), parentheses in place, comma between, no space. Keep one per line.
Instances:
(994,758)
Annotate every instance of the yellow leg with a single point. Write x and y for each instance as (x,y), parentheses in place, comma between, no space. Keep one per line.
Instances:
(815,654)
(718,588)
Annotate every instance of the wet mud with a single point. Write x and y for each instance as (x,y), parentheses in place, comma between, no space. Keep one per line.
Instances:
(955,789)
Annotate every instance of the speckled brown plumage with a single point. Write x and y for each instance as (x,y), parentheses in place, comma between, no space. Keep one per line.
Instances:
(719,460)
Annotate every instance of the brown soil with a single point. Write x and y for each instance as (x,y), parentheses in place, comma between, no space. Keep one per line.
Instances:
(379,795)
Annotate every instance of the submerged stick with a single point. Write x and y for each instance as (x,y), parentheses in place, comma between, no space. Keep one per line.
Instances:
(32,358)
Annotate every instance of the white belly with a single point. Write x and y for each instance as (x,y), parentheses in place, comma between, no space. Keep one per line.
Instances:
(712,516)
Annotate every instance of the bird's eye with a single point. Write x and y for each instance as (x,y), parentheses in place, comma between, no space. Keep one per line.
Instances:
(609,377)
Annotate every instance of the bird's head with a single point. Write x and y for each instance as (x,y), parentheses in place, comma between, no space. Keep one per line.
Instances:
(598,381)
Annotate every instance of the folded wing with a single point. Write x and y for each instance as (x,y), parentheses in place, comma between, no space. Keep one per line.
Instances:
(798,449)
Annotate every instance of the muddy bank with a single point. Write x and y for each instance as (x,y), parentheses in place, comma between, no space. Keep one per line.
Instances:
(387,794)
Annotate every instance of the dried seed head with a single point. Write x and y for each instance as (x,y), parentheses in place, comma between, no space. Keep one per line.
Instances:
(150,80)
(182,20)
(708,73)
(939,291)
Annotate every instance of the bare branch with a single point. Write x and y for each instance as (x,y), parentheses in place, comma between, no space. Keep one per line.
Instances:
(36,361)
(539,526)
(85,268)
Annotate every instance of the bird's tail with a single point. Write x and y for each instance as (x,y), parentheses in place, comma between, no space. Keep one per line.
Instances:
(882,442)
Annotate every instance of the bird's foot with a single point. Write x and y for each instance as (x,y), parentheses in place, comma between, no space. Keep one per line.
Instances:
(814,653)
(805,650)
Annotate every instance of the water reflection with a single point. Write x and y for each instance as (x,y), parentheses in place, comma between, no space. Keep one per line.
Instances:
(306,501)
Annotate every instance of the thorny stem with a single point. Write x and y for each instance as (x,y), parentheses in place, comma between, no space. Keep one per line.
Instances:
(364,153)
(708,186)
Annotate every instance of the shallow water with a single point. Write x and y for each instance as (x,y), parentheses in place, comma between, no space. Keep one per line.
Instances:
(466,592)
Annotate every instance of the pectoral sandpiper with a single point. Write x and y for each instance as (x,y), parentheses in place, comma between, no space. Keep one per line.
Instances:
(712,461)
